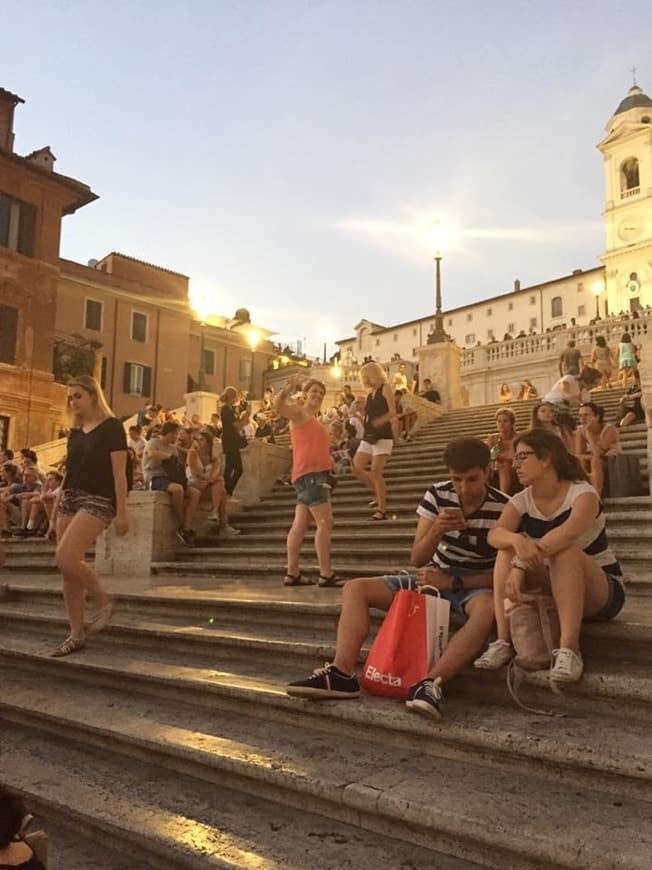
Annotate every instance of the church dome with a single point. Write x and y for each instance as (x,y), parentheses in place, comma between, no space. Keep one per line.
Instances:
(635,99)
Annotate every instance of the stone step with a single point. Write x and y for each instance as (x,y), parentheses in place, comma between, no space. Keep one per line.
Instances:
(165,818)
(398,784)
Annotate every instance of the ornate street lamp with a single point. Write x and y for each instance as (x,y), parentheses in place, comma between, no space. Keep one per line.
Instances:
(439,334)
(201,307)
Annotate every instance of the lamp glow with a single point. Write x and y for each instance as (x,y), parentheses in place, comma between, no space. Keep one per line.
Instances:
(253,337)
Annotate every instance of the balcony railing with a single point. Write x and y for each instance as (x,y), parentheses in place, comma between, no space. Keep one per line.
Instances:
(633,191)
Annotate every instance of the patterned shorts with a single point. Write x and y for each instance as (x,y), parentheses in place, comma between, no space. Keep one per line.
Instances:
(75,501)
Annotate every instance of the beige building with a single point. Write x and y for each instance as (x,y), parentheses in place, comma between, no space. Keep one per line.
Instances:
(566,302)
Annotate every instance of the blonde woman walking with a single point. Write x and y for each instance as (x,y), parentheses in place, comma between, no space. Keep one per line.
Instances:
(93,494)
(378,441)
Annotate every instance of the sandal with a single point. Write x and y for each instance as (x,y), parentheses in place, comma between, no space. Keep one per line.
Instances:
(100,619)
(373,502)
(70,645)
(333,580)
(379,515)
(297,580)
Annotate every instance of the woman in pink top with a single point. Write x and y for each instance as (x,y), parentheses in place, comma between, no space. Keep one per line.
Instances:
(311,472)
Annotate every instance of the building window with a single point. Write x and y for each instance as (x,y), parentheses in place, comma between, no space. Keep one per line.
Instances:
(629,176)
(470,338)
(8,334)
(396,336)
(533,300)
(377,342)
(581,310)
(511,328)
(138,326)
(450,323)
(469,316)
(93,315)
(510,306)
(17,220)
(490,311)
(490,333)
(580,287)
(137,380)
(556,307)
(414,331)
(209,362)
(533,323)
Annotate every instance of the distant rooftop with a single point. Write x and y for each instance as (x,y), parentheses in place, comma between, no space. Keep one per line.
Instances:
(635,99)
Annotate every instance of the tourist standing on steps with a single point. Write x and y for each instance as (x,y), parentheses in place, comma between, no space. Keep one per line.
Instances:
(233,422)
(552,536)
(311,476)
(379,433)
(450,550)
(93,493)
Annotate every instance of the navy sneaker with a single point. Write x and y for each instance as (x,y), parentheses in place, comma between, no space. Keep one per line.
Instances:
(326,682)
(425,697)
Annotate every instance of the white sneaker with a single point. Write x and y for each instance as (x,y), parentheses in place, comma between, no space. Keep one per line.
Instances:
(229,531)
(568,666)
(497,654)
(214,516)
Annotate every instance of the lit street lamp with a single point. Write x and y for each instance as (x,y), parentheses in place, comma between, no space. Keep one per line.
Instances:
(598,287)
(439,334)
(200,306)
(253,337)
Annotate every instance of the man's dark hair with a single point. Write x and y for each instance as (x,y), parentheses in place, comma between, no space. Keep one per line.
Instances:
(169,426)
(10,468)
(8,454)
(463,454)
(26,453)
(138,429)
(12,813)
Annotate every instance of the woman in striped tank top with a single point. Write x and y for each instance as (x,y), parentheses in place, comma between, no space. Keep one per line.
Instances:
(552,536)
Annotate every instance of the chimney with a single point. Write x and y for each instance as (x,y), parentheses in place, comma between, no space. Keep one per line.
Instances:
(8,103)
(517,285)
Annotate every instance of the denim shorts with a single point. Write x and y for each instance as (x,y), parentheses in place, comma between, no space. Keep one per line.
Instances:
(75,501)
(313,489)
(396,582)
(160,483)
(615,601)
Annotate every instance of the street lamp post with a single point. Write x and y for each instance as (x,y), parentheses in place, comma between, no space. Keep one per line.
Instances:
(598,287)
(439,334)
(202,358)
(253,337)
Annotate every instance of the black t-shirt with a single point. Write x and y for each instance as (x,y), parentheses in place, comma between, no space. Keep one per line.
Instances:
(230,432)
(88,465)
(431,396)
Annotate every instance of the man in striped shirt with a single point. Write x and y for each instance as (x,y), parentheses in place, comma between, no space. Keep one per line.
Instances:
(451,550)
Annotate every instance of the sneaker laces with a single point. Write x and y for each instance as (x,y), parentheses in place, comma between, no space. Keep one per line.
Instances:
(323,672)
(432,688)
(563,660)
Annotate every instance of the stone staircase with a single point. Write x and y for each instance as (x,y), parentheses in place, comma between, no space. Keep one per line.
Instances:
(171,740)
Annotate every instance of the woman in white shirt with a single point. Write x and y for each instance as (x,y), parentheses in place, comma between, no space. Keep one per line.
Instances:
(552,535)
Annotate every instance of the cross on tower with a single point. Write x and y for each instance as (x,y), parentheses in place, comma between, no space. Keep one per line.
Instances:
(634,76)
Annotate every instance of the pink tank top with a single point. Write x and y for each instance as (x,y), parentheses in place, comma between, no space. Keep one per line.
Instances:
(310,448)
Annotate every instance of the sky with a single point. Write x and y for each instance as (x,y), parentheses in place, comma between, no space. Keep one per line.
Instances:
(293,157)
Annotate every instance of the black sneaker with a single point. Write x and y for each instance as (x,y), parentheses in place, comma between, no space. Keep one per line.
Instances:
(326,682)
(22,533)
(424,697)
(186,537)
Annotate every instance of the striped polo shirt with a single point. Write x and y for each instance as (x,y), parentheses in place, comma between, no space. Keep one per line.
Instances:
(467,549)
(594,541)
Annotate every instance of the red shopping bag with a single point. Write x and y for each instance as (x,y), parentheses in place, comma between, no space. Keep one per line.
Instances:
(411,639)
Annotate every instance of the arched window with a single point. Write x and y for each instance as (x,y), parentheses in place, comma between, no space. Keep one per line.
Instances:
(556,307)
(629,178)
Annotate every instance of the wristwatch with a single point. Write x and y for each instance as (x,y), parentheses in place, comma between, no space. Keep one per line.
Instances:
(457,586)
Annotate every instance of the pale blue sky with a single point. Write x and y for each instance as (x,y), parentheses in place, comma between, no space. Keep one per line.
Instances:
(289,155)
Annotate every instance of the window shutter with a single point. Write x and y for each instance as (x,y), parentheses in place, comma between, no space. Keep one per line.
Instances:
(8,333)
(147,381)
(26,229)
(126,384)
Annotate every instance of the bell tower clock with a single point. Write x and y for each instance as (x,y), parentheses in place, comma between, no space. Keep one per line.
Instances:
(627,152)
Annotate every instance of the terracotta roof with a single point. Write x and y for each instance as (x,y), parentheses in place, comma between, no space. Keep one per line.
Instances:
(7,95)
(142,263)
(84,194)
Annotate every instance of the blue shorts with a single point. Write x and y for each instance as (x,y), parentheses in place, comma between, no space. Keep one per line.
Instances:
(160,484)
(313,489)
(615,601)
(396,582)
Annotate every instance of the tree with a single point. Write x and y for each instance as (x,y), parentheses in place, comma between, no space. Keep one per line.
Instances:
(74,356)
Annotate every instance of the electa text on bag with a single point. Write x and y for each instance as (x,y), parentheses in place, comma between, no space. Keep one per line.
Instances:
(371,673)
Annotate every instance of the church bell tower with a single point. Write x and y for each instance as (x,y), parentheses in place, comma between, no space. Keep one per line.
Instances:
(627,152)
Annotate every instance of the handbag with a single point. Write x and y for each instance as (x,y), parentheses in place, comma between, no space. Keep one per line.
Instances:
(411,639)
(175,470)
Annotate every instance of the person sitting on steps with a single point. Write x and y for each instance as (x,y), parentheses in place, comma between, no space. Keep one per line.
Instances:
(450,547)
(552,536)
